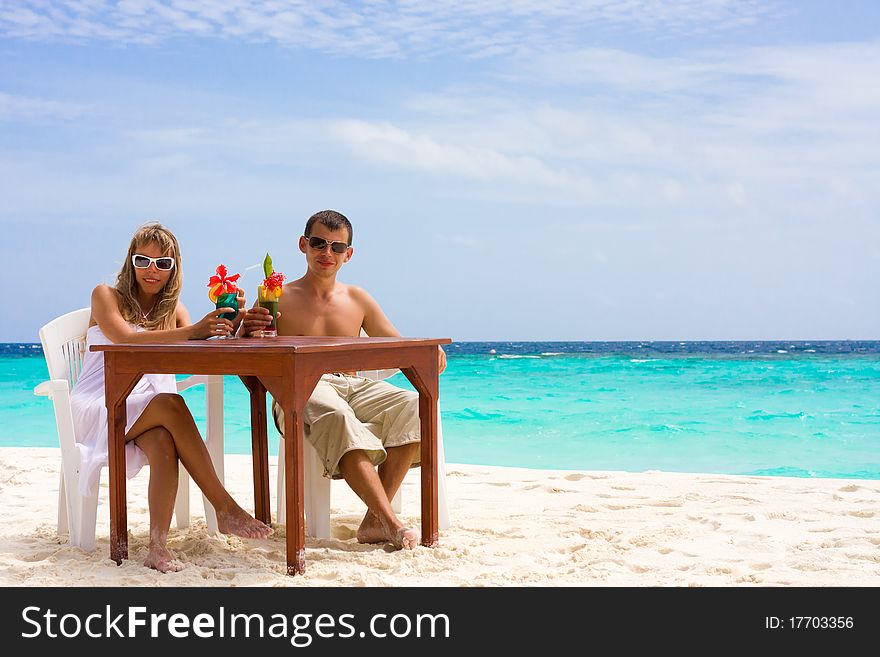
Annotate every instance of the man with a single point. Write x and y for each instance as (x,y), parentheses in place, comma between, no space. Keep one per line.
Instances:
(343,404)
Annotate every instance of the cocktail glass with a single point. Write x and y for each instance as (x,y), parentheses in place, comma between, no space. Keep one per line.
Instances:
(227,300)
(269,300)
(268,294)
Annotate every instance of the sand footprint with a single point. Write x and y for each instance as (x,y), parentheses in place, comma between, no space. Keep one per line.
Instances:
(554,489)
(667,503)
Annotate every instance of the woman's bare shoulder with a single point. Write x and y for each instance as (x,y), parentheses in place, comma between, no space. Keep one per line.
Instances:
(181,315)
(105,302)
(105,294)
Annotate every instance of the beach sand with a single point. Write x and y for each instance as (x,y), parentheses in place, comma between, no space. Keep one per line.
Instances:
(510,527)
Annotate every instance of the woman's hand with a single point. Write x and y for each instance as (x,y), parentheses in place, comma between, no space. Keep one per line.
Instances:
(240,300)
(211,325)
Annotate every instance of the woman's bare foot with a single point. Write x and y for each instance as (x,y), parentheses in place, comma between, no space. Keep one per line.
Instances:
(374,529)
(159,558)
(237,521)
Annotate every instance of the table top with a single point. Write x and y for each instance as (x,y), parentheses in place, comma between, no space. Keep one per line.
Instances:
(285,344)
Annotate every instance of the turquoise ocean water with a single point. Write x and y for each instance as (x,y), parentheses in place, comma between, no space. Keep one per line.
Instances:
(768,408)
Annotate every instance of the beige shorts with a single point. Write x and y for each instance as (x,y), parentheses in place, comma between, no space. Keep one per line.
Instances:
(347,412)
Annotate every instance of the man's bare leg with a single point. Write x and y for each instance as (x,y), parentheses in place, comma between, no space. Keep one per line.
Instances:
(359,472)
(391,474)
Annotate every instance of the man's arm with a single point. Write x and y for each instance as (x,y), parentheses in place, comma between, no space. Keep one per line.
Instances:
(377,324)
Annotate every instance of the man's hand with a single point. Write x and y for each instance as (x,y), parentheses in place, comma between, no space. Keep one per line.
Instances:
(256,319)
(442,356)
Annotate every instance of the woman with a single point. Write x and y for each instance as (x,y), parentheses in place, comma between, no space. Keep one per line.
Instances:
(144,307)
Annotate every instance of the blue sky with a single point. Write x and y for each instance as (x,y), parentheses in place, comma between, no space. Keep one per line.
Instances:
(518,170)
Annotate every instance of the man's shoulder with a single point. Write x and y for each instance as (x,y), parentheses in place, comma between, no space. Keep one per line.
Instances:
(358,293)
(293,286)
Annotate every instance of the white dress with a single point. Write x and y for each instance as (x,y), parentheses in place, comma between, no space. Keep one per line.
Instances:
(90,413)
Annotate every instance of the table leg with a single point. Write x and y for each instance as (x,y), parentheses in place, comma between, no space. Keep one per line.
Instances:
(260,448)
(116,420)
(430,503)
(294,434)
(116,389)
(424,377)
(292,391)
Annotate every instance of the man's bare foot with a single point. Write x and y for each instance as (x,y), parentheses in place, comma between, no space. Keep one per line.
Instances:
(237,521)
(406,538)
(159,558)
(375,530)
(371,530)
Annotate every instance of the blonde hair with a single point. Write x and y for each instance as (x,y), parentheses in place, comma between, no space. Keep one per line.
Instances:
(163,315)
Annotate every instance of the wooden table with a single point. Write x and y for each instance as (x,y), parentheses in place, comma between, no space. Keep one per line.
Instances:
(289,368)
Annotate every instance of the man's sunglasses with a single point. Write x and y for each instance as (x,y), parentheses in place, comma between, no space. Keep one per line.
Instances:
(165,263)
(320,244)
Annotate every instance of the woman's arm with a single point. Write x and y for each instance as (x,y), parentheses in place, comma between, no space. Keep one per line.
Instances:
(105,311)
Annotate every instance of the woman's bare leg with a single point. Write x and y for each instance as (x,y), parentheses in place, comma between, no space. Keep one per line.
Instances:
(158,445)
(170,412)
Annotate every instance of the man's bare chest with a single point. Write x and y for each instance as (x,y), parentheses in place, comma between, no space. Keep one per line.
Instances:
(333,317)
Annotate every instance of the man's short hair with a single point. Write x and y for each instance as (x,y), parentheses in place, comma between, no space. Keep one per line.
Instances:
(332,220)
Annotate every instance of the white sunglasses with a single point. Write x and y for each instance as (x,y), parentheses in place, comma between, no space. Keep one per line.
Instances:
(165,263)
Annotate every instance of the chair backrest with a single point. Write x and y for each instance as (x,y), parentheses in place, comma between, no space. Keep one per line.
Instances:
(376,375)
(64,344)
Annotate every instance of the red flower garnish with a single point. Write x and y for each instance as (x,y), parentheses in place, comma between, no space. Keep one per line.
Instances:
(274,282)
(221,283)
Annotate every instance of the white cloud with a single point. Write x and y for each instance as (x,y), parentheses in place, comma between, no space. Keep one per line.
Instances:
(386,143)
(23,108)
(375,29)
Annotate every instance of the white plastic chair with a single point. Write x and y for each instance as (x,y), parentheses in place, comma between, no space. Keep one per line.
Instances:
(64,343)
(317,486)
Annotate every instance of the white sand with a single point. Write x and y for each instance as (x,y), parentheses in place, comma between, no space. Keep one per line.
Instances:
(509,527)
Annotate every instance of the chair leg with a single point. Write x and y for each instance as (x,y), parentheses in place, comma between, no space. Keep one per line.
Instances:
(181,504)
(82,525)
(214,440)
(63,525)
(280,495)
(77,515)
(317,492)
(442,504)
